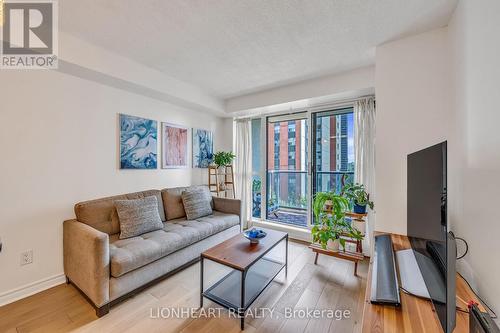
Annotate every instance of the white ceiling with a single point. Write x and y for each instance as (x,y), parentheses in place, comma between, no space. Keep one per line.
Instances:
(235,47)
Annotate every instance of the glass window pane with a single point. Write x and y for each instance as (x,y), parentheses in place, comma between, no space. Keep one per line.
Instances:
(256,165)
(334,150)
(286,172)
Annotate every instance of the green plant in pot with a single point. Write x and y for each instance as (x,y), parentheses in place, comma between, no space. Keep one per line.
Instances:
(329,221)
(358,197)
(223,159)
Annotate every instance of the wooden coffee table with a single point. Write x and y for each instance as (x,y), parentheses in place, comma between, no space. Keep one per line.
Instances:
(252,271)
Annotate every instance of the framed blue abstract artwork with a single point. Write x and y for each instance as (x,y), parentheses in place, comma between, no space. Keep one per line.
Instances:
(138,143)
(203,148)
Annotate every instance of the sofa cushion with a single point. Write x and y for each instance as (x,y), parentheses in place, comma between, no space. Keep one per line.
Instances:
(138,216)
(129,254)
(101,213)
(172,201)
(207,225)
(197,203)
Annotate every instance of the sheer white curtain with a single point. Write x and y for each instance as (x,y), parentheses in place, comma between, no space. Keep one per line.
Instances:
(243,168)
(364,136)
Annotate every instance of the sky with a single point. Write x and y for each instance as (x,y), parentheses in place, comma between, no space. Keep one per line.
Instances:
(350,138)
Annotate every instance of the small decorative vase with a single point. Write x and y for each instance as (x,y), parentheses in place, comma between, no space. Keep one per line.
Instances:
(333,245)
(221,170)
(360,225)
(359,209)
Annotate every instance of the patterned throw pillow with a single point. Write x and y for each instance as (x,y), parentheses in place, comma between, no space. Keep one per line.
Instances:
(197,203)
(138,216)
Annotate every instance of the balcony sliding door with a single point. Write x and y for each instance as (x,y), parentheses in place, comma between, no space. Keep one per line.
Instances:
(286,172)
(333,150)
(283,184)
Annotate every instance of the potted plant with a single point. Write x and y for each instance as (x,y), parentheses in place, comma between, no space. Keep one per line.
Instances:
(330,224)
(358,197)
(223,158)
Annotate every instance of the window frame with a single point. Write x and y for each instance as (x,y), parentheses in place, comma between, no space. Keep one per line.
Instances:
(335,108)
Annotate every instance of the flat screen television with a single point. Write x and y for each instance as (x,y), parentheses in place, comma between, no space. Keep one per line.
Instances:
(432,245)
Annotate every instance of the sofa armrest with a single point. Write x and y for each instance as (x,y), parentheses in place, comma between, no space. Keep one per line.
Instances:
(86,260)
(229,206)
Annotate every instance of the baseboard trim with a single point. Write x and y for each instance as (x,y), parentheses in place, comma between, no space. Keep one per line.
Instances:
(31,289)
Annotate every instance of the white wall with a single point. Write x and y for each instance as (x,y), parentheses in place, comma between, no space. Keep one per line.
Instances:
(443,85)
(59,139)
(412,84)
(94,58)
(475,48)
(359,79)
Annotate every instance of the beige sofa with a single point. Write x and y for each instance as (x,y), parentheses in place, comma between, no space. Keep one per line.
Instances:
(107,269)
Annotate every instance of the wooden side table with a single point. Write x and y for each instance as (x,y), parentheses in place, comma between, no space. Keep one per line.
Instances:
(252,271)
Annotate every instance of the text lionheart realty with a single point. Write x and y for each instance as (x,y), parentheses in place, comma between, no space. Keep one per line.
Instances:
(194,313)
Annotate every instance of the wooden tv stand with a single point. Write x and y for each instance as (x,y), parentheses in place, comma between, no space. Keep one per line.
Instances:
(415,314)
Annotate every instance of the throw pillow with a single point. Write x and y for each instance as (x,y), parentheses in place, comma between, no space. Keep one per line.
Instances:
(197,203)
(172,201)
(138,216)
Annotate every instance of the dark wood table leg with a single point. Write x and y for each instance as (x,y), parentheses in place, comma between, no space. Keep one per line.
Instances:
(316,258)
(242,311)
(201,282)
(355,268)
(286,257)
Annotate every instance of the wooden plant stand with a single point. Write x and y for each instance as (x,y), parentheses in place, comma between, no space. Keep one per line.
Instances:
(358,218)
(361,218)
(347,255)
(343,254)
(215,179)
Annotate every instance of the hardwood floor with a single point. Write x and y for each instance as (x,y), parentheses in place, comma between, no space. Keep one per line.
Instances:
(328,285)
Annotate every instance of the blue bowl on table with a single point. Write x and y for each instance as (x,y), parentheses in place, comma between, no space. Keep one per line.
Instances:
(254,235)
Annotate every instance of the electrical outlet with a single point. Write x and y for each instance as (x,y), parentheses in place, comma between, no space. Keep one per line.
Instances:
(27,257)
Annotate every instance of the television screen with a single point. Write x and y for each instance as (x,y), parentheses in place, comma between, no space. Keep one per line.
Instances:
(427,229)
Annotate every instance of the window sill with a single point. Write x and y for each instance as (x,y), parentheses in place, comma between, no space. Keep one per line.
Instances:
(303,234)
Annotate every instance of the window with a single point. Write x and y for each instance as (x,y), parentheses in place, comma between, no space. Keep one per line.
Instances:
(286,169)
(280,162)
(256,166)
(333,149)
(276,146)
